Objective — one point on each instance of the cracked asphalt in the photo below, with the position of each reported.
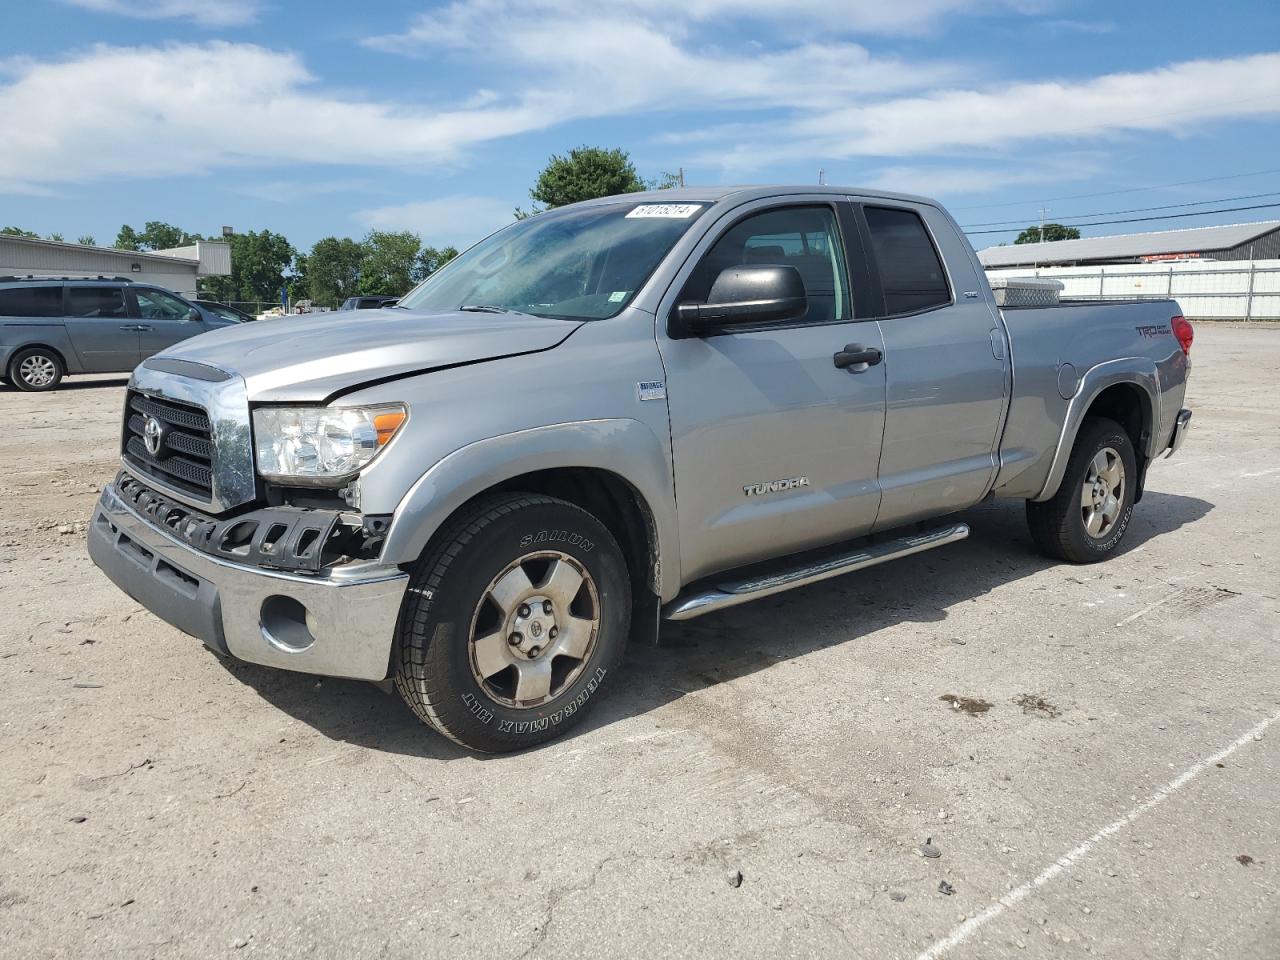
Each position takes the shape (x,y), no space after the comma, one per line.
(158,802)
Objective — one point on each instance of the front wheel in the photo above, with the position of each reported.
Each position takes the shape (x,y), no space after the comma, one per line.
(1087,518)
(514,618)
(35,369)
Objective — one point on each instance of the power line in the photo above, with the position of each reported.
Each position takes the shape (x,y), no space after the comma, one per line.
(1112,193)
(1112,213)
(1169,216)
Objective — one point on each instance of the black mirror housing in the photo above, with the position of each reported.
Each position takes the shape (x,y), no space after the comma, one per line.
(750,293)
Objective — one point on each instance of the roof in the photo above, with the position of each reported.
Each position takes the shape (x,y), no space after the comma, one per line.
(752,192)
(1192,240)
(164,257)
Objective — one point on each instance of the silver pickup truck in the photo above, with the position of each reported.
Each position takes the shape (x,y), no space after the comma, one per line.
(641,407)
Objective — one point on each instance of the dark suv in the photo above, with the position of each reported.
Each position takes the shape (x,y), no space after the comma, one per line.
(50,326)
(368,303)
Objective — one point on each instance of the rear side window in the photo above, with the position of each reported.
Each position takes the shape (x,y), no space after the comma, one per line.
(911,273)
(105,302)
(31,302)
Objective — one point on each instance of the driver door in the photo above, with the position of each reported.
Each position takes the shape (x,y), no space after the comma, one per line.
(163,319)
(776,449)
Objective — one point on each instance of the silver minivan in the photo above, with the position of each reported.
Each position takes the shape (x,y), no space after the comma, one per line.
(51,327)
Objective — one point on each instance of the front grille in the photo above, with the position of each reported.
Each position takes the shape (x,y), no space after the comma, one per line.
(185,458)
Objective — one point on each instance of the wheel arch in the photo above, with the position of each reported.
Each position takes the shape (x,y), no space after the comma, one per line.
(616,469)
(42,345)
(1127,391)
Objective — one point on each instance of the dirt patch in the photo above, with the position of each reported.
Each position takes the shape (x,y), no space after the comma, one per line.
(973,706)
(1244,859)
(1034,703)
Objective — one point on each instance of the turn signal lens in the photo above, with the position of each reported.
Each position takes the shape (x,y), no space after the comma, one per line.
(1183,331)
(387,424)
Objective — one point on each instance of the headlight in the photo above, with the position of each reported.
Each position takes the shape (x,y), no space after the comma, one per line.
(321,444)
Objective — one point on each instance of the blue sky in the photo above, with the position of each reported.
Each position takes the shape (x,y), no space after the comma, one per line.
(330,117)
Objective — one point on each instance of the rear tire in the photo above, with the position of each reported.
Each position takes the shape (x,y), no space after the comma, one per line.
(1086,519)
(515,615)
(35,370)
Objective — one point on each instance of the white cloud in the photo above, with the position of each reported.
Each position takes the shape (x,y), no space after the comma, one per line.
(207,13)
(458,220)
(184,109)
(942,180)
(1184,99)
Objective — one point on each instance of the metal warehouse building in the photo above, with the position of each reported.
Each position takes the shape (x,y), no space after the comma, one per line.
(176,269)
(1237,241)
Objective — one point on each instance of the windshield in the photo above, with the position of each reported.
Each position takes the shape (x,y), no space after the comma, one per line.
(579,264)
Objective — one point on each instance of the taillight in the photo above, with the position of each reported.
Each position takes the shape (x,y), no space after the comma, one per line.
(1182,330)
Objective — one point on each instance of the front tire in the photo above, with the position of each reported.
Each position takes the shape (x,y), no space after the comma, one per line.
(1087,518)
(515,616)
(35,370)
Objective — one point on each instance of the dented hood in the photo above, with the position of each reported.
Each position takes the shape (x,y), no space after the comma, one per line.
(312,357)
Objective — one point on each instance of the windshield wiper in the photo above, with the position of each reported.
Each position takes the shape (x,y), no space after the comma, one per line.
(482,308)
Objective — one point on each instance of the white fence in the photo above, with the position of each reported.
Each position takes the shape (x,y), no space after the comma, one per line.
(1206,290)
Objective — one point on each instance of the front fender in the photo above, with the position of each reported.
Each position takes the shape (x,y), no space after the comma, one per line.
(1141,372)
(627,448)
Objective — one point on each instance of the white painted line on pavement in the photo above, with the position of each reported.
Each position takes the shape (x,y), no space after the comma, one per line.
(1068,860)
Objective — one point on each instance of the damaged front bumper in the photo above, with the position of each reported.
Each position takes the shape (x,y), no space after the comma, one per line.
(339,622)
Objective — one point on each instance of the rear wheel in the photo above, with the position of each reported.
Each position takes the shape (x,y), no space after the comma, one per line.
(35,369)
(1087,518)
(514,618)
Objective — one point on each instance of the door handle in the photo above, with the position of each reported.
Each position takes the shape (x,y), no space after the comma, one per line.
(132,328)
(143,327)
(854,354)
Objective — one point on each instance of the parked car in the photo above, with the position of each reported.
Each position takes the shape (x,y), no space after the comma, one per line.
(226,312)
(646,406)
(368,303)
(51,327)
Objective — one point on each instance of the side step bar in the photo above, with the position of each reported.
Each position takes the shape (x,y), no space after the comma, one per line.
(730,594)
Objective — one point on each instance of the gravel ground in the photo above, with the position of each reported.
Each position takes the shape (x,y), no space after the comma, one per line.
(1118,796)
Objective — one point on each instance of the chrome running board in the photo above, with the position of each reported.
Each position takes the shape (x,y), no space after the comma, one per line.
(731,593)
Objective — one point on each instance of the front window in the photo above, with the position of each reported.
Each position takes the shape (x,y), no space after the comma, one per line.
(154,305)
(580,264)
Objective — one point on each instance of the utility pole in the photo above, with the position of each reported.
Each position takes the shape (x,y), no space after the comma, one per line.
(1043,211)
(682,176)
(822,177)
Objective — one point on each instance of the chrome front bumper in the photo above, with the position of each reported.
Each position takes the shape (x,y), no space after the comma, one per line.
(1180,428)
(340,625)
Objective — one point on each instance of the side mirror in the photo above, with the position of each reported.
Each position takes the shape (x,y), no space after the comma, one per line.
(755,293)
(194,314)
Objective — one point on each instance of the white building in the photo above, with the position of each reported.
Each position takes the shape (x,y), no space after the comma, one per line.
(176,269)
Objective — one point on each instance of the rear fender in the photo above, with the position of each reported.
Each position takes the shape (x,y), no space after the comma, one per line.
(1138,371)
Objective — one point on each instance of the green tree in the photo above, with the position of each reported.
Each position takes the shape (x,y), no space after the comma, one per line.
(155,235)
(259,264)
(431,259)
(333,270)
(666,180)
(584,174)
(299,282)
(128,239)
(19,232)
(1052,231)
(389,263)
(87,240)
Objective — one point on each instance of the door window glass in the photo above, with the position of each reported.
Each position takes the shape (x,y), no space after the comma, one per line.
(31,302)
(104,302)
(911,273)
(154,305)
(802,237)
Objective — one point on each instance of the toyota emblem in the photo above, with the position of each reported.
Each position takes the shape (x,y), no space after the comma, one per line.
(153,436)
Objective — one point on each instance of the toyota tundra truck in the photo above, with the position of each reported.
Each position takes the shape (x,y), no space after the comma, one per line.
(642,407)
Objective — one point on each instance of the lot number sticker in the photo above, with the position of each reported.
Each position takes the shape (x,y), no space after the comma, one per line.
(665,211)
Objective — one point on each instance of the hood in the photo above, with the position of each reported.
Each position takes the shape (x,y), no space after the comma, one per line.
(309,358)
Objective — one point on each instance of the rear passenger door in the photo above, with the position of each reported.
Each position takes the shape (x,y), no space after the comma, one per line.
(101,331)
(947,376)
(163,320)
